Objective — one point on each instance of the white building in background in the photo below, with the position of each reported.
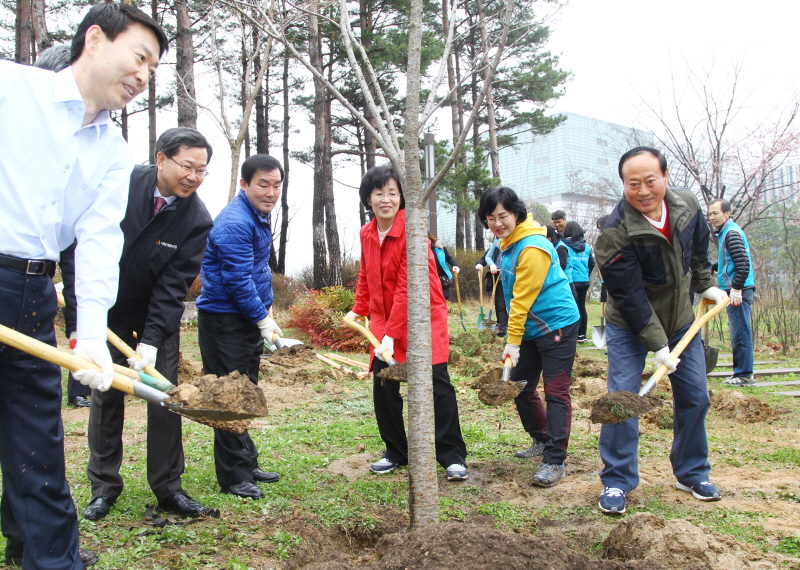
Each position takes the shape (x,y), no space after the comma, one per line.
(574,168)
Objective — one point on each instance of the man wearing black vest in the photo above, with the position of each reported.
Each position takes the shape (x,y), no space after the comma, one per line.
(165,228)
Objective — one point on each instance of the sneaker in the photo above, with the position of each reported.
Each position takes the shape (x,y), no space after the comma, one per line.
(581,338)
(549,474)
(612,501)
(705,491)
(535,450)
(457,472)
(740,381)
(383,466)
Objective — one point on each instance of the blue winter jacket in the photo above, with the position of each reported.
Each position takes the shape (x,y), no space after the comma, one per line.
(236,274)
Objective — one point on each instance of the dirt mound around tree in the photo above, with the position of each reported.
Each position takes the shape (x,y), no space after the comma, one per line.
(742,408)
(294,356)
(680,544)
(476,547)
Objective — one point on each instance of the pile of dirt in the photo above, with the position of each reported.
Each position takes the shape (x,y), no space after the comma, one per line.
(188,369)
(475,547)
(586,368)
(742,408)
(620,406)
(680,544)
(298,365)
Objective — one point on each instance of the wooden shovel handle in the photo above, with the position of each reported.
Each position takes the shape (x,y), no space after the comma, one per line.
(495,278)
(684,342)
(480,284)
(370,337)
(51,354)
(458,293)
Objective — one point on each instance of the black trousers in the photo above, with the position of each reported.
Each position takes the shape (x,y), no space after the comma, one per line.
(231,343)
(37,509)
(450,446)
(580,298)
(165,461)
(500,310)
(551,355)
(75,388)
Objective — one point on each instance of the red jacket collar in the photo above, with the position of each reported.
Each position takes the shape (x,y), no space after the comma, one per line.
(398,227)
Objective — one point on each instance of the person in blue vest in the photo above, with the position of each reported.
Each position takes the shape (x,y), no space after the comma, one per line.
(542,327)
(491,258)
(579,265)
(735,277)
(444,263)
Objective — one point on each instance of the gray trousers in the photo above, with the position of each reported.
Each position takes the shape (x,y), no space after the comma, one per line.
(165,462)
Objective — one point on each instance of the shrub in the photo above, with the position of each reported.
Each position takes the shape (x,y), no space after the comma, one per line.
(318,314)
(194,290)
(285,290)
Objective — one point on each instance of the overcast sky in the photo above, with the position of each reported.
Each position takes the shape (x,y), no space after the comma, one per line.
(621,52)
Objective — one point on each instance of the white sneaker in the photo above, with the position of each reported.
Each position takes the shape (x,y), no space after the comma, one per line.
(456,472)
(383,466)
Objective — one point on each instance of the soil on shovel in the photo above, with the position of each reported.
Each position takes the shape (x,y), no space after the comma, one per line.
(619,406)
(742,408)
(499,392)
(476,547)
(231,393)
(396,372)
(296,355)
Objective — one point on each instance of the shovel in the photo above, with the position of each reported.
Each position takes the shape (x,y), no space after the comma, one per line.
(502,391)
(395,371)
(137,389)
(623,405)
(599,333)
(458,298)
(482,315)
(280,342)
(489,323)
(711,353)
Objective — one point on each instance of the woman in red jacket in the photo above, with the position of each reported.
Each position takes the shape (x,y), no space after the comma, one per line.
(382,293)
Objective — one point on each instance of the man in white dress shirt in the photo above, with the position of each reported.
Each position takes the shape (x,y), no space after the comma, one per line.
(64,172)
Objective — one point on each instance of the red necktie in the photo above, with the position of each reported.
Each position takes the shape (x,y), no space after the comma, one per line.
(160,203)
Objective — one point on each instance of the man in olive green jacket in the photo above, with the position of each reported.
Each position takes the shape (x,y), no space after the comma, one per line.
(652,249)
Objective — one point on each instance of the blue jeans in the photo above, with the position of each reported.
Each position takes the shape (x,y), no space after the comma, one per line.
(619,443)
(741,334)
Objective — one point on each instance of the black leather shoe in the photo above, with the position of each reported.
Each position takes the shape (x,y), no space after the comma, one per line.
(245,489)
(88,558)
(79,402)
(265,476)
(181,504)
(98,508)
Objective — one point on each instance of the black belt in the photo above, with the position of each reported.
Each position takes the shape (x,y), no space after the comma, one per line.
(29,266)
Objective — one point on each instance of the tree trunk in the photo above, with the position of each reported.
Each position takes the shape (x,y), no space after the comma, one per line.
(318,209)
(284,200)
(494,155)
(245,83)
(41,38)
(331,227)
(262,140)
(124,122)
(423,486)
(23,33)
(151,98)
(184,67)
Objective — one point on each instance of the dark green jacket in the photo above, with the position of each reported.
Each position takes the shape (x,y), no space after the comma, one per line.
(648,279)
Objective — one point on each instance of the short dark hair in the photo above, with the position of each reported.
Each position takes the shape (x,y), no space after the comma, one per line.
(377,177)
(724,205)
(662,160)
(558,215)
(258,162)
(601,221)
(573,230)
(505,196)
(552,234)
(172,140)
(54,58)
(114,18)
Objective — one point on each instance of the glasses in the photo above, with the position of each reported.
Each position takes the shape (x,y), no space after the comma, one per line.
(199,172)
(382,195)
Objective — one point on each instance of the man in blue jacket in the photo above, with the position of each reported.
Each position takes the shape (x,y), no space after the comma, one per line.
(232,311)
(735,276)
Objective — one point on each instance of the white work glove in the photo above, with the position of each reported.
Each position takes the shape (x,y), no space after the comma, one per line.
(478,267)
(662,356)
(714,294)
(387,345)
(511,351)
(147,356)
(456,269)
(736,297)
(94,350)
(268,328)
(353,316)
(493,268)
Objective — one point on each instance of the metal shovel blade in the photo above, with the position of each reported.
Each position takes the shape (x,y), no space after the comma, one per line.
(712,354)
(213,415)
(599,336)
